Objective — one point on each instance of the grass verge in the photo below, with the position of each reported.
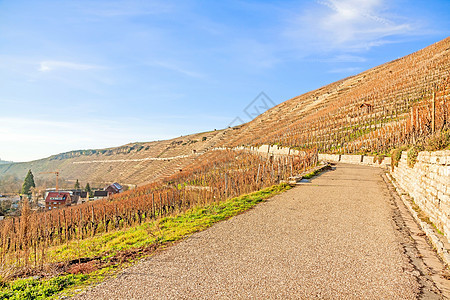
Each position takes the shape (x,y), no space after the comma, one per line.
(315,171)
(312,174)
(101,256)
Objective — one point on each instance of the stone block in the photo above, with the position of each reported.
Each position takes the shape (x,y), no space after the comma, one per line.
(446,257)
(434,159)
(441,153)
(442,181)
(368,160)
(282,151)
(446,172)
(352,159)
(329,157)
(264,149)
(443,160)
(273,148)
(444,198)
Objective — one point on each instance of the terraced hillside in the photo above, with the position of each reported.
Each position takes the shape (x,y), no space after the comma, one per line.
(381,108)
(133,164)
(397,103)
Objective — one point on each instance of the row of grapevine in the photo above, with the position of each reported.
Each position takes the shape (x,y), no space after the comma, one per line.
(24,241)
(394,104)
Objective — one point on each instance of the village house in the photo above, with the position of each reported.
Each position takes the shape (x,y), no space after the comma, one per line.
(114,188)
(80,193)
(79,196)
(56,200)
(100,194)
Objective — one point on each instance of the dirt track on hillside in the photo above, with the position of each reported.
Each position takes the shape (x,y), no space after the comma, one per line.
(335,237)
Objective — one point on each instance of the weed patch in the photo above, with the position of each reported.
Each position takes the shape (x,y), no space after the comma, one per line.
(413,152)
(311,175)
(33,288)
(439,141)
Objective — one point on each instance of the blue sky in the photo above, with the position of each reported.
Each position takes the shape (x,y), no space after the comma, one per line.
(94,74)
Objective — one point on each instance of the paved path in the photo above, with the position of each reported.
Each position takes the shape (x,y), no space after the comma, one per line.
(332,238)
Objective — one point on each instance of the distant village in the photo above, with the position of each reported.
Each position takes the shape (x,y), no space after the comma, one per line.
(58,199)
(53,199)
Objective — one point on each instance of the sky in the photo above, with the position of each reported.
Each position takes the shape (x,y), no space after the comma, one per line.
(96,74)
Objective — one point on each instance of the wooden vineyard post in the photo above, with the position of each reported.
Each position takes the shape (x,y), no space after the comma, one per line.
(104,219)
(65,227)
(257,174)
(292,166)
(153,207)
(117,217)
(160,205)
(93,228)
(433,113)
(169,202)
(80,225)
(412,125)
(226,186)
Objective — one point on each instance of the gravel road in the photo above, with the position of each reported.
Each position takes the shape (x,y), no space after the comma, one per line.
(331,238)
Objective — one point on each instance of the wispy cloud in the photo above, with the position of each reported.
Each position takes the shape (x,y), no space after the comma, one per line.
(125,8)
(51,65)
(344,58)
(345,70)
(176,67)
(348,25)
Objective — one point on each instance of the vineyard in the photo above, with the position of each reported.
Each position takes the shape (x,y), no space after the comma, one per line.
(404,102)
(24,241)
(398,103)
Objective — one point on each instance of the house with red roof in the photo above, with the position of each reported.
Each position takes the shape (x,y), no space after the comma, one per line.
(56,200)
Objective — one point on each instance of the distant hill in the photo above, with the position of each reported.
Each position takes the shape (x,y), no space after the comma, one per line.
(3,162)
(133,164)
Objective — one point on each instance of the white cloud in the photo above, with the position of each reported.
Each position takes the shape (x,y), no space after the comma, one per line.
(347,26)
(346,58)
(345,70)
(51,65)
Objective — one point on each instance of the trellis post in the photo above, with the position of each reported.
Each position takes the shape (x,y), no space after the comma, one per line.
(433,113)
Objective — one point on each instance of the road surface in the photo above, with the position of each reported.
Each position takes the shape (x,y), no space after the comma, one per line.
(335,237)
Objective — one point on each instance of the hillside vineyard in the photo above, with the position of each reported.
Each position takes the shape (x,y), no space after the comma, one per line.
(390,105)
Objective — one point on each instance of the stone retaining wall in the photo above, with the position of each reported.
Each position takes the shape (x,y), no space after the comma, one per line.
(330,157)
(355,159)
(274,150)
(428,183)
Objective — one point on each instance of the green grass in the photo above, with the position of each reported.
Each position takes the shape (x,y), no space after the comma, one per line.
(412,154)
(437,229)
(32,288)
(312,174)
(159,233)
